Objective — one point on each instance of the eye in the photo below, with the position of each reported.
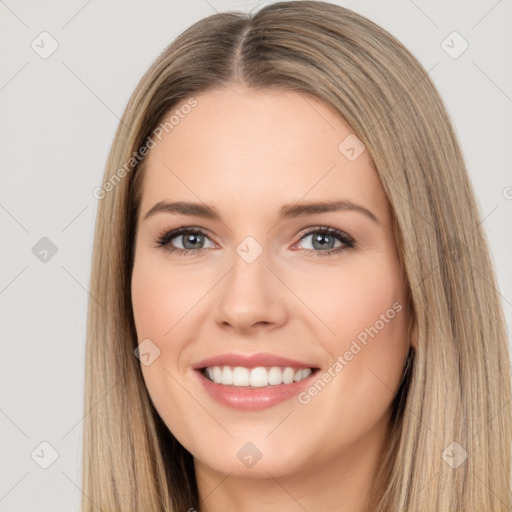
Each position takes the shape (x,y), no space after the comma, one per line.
(189,241)
(323,241)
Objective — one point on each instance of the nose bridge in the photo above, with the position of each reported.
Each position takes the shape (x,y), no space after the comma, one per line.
(250,293)
(250,266)
(248,279)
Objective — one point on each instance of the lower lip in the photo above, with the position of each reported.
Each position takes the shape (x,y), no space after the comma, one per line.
(253,399)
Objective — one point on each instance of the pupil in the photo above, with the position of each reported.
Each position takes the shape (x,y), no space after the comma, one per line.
(190,240)
(321,239)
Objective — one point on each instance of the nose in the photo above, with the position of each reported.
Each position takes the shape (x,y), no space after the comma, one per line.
(251,296)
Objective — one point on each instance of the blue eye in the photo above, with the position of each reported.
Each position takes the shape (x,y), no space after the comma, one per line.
(323,241)
(191,239)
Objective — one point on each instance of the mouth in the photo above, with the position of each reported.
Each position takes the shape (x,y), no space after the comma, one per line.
(256,377)
(251,382)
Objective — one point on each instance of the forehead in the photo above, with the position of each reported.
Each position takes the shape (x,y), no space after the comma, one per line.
(258,148)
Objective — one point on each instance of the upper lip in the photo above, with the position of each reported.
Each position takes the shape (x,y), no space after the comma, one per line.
(251,361)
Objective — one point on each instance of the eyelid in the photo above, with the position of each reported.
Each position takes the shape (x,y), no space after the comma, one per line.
(325,229)
(165,236)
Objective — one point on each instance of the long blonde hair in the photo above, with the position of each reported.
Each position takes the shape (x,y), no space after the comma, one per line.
(457,388)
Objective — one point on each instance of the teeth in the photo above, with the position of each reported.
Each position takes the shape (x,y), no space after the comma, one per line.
(217,373)
(288,375)
(275,376)
(240,376)
(227,375)
(256,377)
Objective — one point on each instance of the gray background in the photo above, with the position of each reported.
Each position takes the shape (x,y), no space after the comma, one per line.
(59,115)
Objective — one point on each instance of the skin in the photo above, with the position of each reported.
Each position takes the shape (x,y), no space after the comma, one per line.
(248,153)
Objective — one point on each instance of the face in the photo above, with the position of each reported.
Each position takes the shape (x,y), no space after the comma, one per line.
(268,285)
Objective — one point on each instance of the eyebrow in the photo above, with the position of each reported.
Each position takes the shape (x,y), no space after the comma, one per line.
(287,211)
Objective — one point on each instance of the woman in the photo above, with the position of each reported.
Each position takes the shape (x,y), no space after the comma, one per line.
(294,304)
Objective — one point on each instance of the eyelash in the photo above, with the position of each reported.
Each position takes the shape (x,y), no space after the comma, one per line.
(164,239)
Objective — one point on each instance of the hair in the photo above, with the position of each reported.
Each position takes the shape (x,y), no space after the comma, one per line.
(457,386)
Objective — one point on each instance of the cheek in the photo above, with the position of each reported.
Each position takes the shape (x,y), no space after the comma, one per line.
(163,301)
(354,298)
(162,297)
(365,310)
(157,311)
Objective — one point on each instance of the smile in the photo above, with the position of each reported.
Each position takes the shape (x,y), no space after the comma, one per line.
(258,377)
